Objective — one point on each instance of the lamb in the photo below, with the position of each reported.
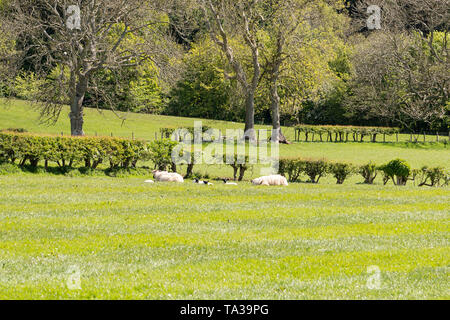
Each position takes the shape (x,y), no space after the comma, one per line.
(164,176)
(273,180)
(225,181)
(202,182)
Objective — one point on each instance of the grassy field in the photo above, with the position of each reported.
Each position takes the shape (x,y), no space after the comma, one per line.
(20,114)
(134,240)
(131,240)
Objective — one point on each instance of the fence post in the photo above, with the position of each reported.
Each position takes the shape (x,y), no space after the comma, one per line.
(437,136)
(396,136)
(424,137)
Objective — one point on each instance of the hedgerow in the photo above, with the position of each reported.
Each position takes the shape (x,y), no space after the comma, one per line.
(342,133)
(396,170)
(314,169)
(66,152)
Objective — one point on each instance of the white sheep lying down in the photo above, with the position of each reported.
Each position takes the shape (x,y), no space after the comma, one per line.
(273,180)
(164,176)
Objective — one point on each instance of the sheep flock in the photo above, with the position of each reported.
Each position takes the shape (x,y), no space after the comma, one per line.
(165,176)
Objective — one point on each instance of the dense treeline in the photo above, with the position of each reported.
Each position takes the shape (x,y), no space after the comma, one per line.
(279,62)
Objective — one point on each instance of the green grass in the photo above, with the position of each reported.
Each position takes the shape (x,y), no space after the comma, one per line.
(162,241)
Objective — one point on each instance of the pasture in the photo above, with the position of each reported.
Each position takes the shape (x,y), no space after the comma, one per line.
(162,241)
(132,240)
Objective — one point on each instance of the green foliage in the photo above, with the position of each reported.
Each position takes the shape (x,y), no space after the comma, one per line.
(68,151)
(314,169)
(398,170)
(341,171)
(161,153)
(369,172)
(432,177)
(203,90)
(8,168)
(343,133)
(26,86)
(292,168)
(135,89)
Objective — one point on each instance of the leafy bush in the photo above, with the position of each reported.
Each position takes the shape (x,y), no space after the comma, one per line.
(316,169)
(398,170)
(341,171)
(369,172)
(68,151)
(8,168)
(292,168)
(160,153)
(18,130)
(432,177)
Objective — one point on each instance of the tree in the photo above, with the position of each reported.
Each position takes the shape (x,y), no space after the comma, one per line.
(401,71)
(202,91)
(226,19)
(69,42)
(8,55)
(298,31)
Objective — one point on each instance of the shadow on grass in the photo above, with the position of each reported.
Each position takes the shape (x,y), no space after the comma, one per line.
(9,168)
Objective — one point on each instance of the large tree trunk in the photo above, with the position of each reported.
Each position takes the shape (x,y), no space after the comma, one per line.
(277,135)
(250,116)
(76,108)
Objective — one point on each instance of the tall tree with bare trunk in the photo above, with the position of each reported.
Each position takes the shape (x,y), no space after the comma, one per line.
(293,26)
(228,19)
(68,41)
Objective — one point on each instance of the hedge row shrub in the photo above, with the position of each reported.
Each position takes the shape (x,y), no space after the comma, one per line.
(369,172)
(397,170)
(342,133)
(166,133)
(341,171)
(314,169)
(431,177)
(68,151)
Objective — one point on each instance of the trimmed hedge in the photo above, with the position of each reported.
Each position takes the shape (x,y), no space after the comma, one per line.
(30,149)
(396,170)
(342,133)
(166,133)
(314,169)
